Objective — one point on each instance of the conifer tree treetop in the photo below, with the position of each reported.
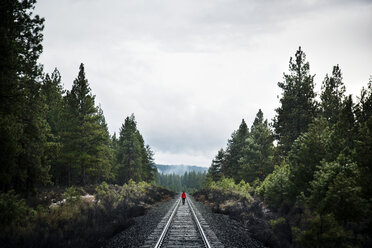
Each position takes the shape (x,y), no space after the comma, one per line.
(298,106)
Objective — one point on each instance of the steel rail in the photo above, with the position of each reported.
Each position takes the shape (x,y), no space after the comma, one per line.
(204,237)
(166,228)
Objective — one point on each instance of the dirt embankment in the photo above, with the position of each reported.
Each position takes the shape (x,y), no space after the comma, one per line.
(258,221)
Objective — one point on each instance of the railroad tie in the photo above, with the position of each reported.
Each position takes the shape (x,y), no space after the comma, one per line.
(182,226)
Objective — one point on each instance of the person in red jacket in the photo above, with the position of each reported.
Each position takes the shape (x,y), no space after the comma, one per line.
(183,197)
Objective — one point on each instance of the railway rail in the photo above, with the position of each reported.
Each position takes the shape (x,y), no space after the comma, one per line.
(183,226)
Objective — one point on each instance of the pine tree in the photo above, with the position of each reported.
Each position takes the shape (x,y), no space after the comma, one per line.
(69,148)
(188,182)
(345,130)
(363,142)
(129,156)
(150,168)
(364,107)
(134,160)
(234,151)
(337,184)
(364,158)
(306,155)
(215,171)
(332,96)
(258,120)
(298,107)
(256,162)
(53,92)
(85,133)
(263,139)
(102,170)
(23,128)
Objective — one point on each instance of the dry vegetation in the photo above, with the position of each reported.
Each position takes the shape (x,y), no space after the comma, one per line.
(77,221)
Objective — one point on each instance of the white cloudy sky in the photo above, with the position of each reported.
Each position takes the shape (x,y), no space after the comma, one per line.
(190,70)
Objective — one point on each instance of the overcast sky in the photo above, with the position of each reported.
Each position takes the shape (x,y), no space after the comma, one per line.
(190,70)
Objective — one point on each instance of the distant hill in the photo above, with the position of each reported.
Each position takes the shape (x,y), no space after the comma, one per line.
(179,169)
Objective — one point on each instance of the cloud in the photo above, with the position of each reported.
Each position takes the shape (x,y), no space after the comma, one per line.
(191,70)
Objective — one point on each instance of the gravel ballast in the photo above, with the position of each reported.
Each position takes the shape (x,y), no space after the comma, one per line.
(230,232)
(136,235)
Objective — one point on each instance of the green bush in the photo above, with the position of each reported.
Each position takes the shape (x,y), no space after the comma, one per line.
(336,189)
(72,195)
(102,190)
(325,232)
(16,219)
(228,184)
(144,186)
(108,196)
(276,187)
(276,222)
(14,212)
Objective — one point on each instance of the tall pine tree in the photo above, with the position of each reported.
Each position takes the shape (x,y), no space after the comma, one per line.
(235,151)
(332,96)
(364,108)
(53,92)
(85,134)
(215,171)
(298,106)
(149,166)
(364,140)
(257,161)
(102,170)
(23,128)
(134,160)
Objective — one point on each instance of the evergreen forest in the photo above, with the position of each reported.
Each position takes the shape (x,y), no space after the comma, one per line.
(188,182)
(311,165)
(55,148)
(51,135)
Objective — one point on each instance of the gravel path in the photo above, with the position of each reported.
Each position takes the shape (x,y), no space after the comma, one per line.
(230,232)
(136,235)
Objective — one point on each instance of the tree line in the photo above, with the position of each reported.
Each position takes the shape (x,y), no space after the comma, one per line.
(188,182)
(50,135)
(312,164)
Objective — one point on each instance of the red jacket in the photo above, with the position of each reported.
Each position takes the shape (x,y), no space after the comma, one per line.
(183,195)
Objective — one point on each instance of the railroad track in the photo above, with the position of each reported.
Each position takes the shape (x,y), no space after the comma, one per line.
(183,226)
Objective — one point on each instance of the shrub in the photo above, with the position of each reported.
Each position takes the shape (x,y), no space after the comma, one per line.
(102,189)
(228,184)
(276,222)
(274,189)
(106,196)
(16,219)
(71,195)
(144,186)
(324,231)
(14,211)
(76,223)
(336,189)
